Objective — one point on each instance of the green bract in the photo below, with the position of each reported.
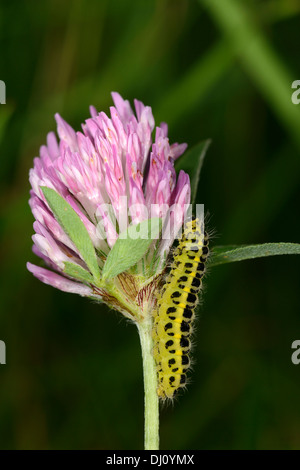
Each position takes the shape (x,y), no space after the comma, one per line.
(130,247)
(74,228)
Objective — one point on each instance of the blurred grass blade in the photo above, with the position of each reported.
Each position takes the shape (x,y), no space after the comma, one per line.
(259,59)
(193,87)
(191,162)
(230,254)
(74,228)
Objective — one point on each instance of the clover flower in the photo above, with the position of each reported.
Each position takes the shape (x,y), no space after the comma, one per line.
(112,176)
(107,205)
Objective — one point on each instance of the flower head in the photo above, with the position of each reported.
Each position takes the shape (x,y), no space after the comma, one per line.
(110,176)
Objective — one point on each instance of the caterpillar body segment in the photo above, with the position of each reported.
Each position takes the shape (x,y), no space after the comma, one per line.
(175,310)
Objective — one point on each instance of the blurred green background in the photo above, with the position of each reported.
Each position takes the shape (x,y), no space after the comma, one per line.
(219,69)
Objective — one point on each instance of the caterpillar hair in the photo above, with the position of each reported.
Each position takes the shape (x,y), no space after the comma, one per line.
(175,309)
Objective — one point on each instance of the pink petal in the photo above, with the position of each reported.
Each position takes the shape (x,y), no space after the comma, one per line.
(52,145)
(123,107)
(66,132)
(60,282)
(177,150)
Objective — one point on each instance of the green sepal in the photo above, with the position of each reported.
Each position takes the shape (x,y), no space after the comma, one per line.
(130,247)
(74,228)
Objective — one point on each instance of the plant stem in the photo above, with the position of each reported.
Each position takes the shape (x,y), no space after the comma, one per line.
(150,385)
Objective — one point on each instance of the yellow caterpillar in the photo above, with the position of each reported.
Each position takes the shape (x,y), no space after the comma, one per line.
(175,310)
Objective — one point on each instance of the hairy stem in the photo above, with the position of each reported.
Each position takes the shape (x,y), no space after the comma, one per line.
(150,385)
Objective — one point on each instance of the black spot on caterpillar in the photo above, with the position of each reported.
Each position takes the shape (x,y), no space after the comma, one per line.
(175,310)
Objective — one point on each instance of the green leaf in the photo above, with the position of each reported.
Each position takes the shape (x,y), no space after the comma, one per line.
(130,247)
(230,254)
(191,162)
(76,271)
(74,228)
